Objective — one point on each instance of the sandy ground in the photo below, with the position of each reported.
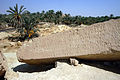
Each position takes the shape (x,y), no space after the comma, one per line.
(63,71)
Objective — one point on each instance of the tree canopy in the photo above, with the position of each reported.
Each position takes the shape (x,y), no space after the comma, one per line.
(57,17)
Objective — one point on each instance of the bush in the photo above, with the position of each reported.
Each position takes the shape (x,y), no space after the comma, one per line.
(24,25)
(28,29)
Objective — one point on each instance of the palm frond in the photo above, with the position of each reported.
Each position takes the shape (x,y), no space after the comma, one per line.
(20,10)
(11,9)
(16,8)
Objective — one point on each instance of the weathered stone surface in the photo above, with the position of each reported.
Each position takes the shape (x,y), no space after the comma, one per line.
(100,41)
(3,64)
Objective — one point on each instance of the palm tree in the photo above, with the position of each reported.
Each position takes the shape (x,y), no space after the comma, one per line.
(58,15)
(16,19)
(29,28)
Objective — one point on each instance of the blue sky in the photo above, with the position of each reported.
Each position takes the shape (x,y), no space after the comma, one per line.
(74,7)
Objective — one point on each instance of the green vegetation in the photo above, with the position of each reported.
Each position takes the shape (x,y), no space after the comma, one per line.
(28,29)
(60,18)
(57,17)
(25,22)
(16,19)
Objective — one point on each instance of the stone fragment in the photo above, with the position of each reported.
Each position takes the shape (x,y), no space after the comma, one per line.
(99,41)
(3,64)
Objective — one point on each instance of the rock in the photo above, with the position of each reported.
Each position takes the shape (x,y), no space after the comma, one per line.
(10,75)
(19,43)
(99,41)
(74,62)
(3,64)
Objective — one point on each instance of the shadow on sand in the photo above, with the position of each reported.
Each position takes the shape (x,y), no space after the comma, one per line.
(33,68)
(111,66)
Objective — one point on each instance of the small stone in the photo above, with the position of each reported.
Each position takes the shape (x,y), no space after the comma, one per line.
(74,62)
(19,43)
